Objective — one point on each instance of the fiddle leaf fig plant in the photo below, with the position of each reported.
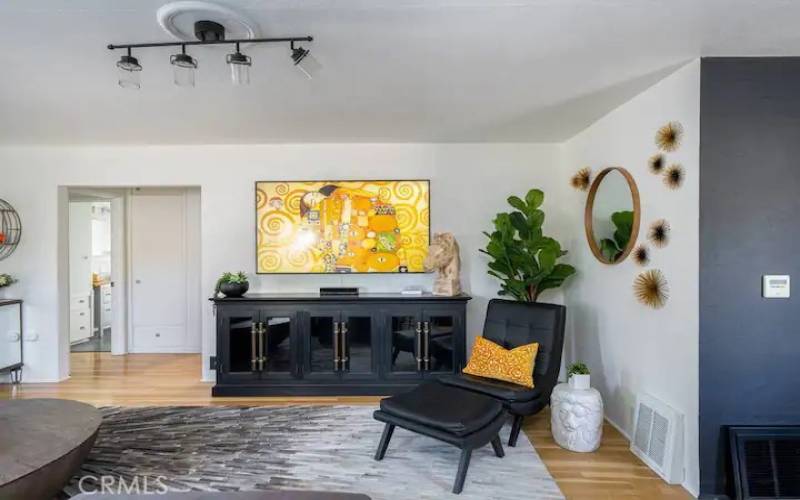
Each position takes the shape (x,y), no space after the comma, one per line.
(522,257)
(612,249)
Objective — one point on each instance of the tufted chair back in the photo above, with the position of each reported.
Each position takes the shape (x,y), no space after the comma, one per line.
(512,324)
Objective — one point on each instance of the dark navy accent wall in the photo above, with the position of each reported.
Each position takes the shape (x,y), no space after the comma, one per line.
(749,226)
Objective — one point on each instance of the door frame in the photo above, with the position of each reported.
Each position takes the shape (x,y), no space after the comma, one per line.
(119,327)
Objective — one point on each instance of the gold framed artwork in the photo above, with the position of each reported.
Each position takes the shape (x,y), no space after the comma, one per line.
(371,226)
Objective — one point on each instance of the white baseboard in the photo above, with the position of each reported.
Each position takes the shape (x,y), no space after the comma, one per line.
(618,428)
(692,491)
(171,350)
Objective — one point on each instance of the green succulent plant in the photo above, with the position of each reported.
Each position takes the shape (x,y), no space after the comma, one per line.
(578,368)
(6,280)
(522,258)
(235,278)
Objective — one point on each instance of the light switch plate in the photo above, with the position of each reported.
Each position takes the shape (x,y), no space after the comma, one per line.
(776,287)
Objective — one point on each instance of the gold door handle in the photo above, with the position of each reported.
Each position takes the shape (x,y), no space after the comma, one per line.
(419,346)
(343,349)
(336,357)
(253,346)
(427,343)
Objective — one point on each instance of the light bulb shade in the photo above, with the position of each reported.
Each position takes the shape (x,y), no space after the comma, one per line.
(183,66)
(240,68)
(129,79)
(183,61)
(129,71)
(129,63)
(305,62)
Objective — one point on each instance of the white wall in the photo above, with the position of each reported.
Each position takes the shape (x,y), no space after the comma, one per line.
(629,347)
(469,184)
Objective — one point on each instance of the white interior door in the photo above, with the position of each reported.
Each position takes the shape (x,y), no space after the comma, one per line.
(158,271)
(80,270)
(119,319)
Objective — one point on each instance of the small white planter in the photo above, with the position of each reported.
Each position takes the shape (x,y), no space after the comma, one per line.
(580,381)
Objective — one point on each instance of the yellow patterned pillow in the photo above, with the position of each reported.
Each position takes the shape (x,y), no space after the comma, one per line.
(493,361)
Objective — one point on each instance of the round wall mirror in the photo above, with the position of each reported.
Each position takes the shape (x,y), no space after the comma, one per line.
(612,215)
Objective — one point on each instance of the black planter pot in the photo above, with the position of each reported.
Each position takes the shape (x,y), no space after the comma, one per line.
(234,289)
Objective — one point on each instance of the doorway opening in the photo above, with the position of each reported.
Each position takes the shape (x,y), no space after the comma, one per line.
(90,276)
(91,265)
(133,271)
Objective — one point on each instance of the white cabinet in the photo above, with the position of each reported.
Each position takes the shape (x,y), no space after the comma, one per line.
(10,333)
(80,322)
(102,305)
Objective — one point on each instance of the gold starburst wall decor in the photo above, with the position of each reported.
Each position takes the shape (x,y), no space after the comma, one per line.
(674,176)
(669,137)
(656,163)
(641,255)
(582,179)
(651,288)
(658,234)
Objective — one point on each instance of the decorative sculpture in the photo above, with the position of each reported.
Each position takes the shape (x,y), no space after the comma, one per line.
(443,258)
(576,418)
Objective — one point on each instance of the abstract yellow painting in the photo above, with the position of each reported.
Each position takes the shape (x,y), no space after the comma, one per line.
(342,226)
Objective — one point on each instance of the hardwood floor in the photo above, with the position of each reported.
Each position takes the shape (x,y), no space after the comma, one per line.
(173,379)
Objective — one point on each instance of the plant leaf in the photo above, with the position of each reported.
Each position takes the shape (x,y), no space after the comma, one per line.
(517,203)
(535,198)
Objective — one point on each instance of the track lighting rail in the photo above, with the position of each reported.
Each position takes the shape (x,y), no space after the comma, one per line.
(293,39)
(211,33)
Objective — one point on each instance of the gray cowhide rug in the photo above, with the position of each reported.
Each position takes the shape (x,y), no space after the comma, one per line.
(327,448)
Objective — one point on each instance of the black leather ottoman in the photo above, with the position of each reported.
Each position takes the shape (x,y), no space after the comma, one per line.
(465,419)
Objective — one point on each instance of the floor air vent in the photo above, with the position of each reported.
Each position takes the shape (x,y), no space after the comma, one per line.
(658,438)
(766,461)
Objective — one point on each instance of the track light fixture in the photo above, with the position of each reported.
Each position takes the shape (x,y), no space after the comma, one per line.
(304,61)
(240,67)
(129,69)
(210,33)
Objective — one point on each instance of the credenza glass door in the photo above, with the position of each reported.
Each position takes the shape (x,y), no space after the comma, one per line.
(404,327)
(322,351)
(357,333)
(237,349)
(439,339)
(278,353)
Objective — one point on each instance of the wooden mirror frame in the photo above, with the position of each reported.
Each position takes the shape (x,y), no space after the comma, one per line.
(587,215)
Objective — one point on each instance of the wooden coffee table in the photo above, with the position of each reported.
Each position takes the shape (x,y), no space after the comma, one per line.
(44,442)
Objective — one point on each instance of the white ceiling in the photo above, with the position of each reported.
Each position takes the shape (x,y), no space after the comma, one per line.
(394,70)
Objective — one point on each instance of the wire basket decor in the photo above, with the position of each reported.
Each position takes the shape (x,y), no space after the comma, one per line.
(10,229)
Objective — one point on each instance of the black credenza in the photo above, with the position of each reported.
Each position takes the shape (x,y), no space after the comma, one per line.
(308,345)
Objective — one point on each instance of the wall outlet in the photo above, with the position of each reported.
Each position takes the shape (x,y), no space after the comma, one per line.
(212,362)
(776,287)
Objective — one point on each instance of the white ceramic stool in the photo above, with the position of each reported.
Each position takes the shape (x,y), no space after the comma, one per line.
(576,418)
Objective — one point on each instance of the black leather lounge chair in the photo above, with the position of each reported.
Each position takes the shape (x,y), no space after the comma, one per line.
(512,324)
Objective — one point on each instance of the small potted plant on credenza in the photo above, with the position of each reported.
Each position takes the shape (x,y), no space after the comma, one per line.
(233,284)
(579,377)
